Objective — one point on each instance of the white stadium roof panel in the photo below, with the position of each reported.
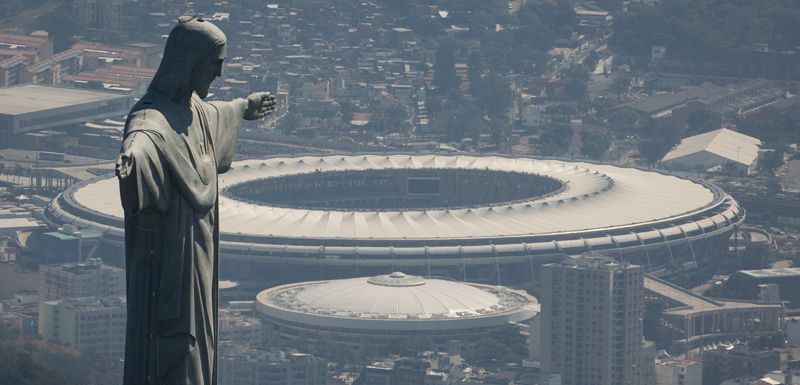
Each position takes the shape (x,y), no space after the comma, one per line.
(599,206)
(635,196)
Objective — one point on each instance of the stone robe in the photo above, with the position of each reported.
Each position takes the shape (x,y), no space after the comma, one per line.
(172,236)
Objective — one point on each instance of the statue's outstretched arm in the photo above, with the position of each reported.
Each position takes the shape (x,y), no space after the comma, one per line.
(225,119)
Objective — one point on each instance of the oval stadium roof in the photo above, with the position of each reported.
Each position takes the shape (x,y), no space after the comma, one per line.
(596,197)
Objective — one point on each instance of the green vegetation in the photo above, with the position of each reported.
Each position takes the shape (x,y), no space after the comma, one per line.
(775,130)
(651,325)
(444,67)
(657,138)
(694,26)
(503,347)
(27,361)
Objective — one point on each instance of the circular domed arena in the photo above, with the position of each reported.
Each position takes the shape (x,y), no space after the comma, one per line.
(374,311)
(488,219)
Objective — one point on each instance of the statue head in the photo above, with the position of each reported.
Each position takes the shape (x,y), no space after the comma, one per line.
(192,59)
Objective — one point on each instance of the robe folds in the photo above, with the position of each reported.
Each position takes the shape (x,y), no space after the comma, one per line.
(172,237)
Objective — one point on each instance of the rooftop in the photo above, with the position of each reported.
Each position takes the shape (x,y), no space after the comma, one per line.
(31,98)
(397,296)
(657,103)
(594,199)
(772,273)
(414,301)
(729,144)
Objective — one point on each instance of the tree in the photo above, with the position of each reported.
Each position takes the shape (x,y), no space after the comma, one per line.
(500,131)
(657,139)
(595,143)
(20,369)
(346,109)
(460,120)
(576,89)
(651,149)
(620,84)
(773,186)
(494,96)
(590,62)
(61,29)
(768,341)
(477,65)
(700,121)
(555,138)
(653,314)
(497,349)
(444,70)
(771,161)
(392,119)
(626,122)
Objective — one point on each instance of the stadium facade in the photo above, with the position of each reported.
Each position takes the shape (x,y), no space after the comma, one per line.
(487,219)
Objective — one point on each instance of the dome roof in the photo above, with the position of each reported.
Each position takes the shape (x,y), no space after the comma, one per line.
(398,294)
(418,302)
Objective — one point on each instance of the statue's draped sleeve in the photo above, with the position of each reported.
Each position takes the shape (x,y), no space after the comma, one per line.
(225,118)
(147,183)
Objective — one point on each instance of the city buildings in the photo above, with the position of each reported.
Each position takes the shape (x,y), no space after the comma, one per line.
(17,52)
(591,322)
(79,280)
(259,367)
(741,361)
(688,316)
(671,371)
(747,282)
(239,326)
(99,15)
(83,305)
(91,324)
(402,371)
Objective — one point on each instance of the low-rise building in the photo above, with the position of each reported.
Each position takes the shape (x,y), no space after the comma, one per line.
(723,364)
(259,367)
(716,149)
(402,371)
(78,280)
(35,107)
(672,371)
(238,325)
(87,324)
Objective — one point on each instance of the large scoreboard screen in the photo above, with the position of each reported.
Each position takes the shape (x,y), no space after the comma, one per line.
(423,186)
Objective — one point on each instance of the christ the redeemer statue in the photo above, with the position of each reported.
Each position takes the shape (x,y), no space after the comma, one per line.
(174,146)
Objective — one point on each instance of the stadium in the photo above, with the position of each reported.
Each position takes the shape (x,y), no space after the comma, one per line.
(375,311)
(488,219)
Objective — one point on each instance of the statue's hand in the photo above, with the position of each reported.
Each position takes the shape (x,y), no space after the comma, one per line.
(259,105)
(124,166)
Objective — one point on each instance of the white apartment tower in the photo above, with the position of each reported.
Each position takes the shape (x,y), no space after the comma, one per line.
(591,322)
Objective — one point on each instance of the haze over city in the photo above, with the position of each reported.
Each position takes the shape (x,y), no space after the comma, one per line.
(434,192)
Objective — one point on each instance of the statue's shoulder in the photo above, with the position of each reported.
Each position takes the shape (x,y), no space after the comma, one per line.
(148,114)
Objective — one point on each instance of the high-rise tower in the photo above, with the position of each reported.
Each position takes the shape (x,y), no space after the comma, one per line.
(592,309)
